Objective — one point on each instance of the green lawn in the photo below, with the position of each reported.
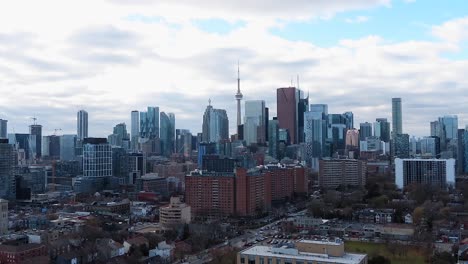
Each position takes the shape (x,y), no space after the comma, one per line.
(413,255)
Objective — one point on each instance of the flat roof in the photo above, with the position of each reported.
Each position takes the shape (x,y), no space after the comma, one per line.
(321,242)
(265,251)
(427,160)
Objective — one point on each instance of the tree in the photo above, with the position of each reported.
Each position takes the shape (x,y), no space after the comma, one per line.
(315,208)
(392,248)
(170,235)
(135,255)
(186,232)
(379,260)
(223,257)
(420,193)
(153,239)
(333,197)
(418,214)
(379,202)
(443,258)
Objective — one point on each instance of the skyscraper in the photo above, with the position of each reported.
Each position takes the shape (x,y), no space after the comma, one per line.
(435,172)
(336,172)
(352,139)
(267,120)
(254,123)
(3,128)
(35,132)
(120,137)
(135,129)
(167,133)
(287,103)
(460,162)
(273,138)
(82,124)
(183,142)
(7,177)
(238,98)
(400,146)
(51,146)
(215,125)
(67,147)
(438,130)
(465,147)
(219,125)
(321,109)
(315,130)
(365,130)
(430,147)
(206,122)
(349,119)
(22,145)
(302,108)
(382,129)
(450,124)
(397,121)
(338,124)
(3,217)
(149,123)
(435,129)
(97,158)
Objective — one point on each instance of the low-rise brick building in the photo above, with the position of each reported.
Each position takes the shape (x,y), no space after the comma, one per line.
(23,253)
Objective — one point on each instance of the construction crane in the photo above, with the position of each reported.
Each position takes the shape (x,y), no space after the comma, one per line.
(34,120)
(55,131)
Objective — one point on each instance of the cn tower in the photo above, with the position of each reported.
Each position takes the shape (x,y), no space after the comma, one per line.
(238,98)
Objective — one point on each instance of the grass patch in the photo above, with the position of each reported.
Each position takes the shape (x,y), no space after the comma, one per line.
(413,254)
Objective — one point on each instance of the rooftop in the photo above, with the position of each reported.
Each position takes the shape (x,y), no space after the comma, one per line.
(347,258)
(335,242)
(152,176)
(147,228)
(20,248)
(210,174)
(139,240)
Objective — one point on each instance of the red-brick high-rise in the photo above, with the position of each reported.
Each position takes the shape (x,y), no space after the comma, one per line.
(210,194)
(250,193)
(243,193)
(285,181)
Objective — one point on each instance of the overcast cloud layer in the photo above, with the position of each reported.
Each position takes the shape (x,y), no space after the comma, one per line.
(111,57)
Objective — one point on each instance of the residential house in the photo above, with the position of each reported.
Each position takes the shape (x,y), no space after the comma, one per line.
(108,249)
(135,242)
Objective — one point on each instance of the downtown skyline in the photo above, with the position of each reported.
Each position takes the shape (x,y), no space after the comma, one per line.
(110,65)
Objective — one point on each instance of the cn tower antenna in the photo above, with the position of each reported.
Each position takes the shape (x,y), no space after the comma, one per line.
(238,96)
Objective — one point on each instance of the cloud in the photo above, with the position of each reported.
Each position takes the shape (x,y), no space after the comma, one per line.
(105,37)
(357,20)
(110,64)
(454,31)
(246,9)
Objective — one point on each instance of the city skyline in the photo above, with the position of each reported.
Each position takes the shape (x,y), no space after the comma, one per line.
(110,65)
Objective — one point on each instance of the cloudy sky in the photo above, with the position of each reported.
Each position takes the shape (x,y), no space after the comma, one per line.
(111,57)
